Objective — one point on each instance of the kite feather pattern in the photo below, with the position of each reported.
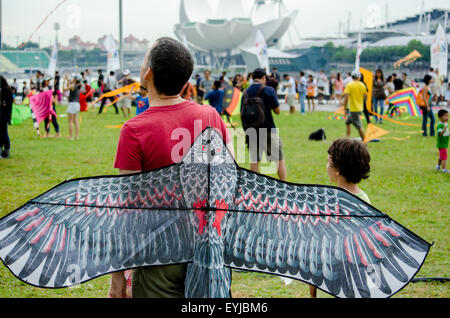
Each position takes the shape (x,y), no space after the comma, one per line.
(208,212)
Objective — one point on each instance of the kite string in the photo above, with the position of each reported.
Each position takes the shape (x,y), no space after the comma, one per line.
(42,23)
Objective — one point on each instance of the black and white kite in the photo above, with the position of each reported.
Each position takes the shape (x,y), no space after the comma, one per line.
(208,212)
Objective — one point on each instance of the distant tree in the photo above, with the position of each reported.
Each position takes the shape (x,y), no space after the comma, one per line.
(29,45)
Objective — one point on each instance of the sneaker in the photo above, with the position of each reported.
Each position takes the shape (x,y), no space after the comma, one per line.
(445,171)
(438,168)
(5,154)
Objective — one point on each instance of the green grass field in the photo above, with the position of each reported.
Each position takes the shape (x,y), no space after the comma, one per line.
(403,184)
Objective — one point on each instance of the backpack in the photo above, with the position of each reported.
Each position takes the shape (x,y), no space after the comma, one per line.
(318,135)
(420,100)
(253,110)
(310,91)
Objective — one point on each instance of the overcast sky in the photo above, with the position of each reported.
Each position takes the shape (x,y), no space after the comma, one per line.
(150,19)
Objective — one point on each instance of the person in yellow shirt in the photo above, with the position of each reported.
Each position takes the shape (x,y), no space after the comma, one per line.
(354,95)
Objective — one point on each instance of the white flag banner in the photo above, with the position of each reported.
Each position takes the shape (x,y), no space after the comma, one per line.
(113,60)
(359,50)
(53,60)
(439,51)
(262,51)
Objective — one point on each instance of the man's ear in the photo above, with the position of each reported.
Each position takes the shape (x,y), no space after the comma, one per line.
(148,75)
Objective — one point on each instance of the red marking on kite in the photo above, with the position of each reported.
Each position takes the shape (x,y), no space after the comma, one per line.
(42,232)
(393,233)
(201,215)
(370,245)
(347,252)
(378,236)
(359,252)
(63,241)
(34,224)
(222,211)
(52,240)
(27,214)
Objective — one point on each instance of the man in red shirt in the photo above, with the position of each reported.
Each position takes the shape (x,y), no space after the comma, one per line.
(160,137)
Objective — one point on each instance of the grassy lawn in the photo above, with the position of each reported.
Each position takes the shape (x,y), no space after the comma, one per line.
(403,184)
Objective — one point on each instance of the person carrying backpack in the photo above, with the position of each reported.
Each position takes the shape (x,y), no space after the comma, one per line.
(258,103)
(424,99)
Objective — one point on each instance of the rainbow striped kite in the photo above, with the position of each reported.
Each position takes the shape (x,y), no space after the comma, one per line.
(406,99)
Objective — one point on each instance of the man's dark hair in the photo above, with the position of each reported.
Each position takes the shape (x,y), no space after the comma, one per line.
(259,73)
(285,76)
(111,73)
(302,73)
(351,158)
(217,85)
(172,65)
(441,113)
(427,79)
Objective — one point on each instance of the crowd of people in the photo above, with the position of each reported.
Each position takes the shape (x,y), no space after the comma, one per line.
(77,91)
(146,141)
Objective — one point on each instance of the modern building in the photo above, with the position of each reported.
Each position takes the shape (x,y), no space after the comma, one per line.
(131,43)
(223,38)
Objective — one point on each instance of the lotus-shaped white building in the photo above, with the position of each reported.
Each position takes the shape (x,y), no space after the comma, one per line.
(228,28)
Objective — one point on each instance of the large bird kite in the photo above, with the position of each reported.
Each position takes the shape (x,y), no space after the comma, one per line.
(208,212)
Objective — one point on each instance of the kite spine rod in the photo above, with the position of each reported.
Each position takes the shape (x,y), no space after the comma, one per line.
(207,209)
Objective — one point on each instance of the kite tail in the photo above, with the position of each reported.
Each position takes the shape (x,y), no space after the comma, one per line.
(208,266)
(219,282)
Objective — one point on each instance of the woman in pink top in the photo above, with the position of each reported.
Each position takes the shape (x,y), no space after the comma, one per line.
(339,87)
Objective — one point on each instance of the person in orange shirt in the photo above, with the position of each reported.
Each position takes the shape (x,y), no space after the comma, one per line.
(188,92)
(311,93)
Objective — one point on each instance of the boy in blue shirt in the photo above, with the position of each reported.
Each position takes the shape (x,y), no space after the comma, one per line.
(142,100)
(215,97)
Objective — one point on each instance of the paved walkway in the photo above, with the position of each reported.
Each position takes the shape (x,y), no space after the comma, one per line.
(319,108)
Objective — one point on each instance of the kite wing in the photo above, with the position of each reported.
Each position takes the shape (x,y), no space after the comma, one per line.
(321,235)
(208,212)
(86,228)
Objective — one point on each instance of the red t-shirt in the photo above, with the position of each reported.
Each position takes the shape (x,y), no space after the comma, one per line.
(161,136)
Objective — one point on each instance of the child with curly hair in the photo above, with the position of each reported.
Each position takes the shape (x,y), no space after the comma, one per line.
(348,164)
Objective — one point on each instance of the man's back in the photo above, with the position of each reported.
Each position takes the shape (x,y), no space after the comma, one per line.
(146,140)
(302,84)
(153,140)
(356,91)
(111,83)
(270,100)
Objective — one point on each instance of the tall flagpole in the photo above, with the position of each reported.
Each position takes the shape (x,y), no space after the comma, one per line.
(121,34)
(1,29)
